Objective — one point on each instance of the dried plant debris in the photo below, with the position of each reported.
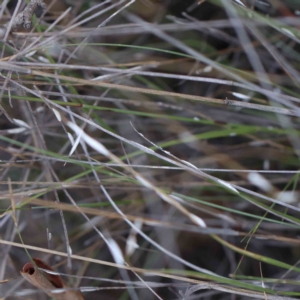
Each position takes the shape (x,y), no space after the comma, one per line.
(24,18)
(36,273)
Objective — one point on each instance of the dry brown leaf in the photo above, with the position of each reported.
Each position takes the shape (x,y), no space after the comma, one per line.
(48,282)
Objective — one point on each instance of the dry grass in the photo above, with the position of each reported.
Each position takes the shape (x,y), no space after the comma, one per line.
(150,149)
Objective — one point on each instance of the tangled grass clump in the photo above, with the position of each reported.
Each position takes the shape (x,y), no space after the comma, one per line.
(149,149)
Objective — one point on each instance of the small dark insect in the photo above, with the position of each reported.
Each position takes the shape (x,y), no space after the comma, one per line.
(24,18)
